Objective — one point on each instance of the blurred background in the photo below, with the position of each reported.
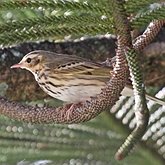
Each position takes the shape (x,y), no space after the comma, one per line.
(80,28)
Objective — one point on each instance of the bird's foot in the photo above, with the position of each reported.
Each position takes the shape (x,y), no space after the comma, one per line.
(69,109)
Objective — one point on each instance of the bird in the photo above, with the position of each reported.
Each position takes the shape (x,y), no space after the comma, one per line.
(70,78)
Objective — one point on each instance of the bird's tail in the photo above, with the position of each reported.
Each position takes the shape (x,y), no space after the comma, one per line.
(158,101)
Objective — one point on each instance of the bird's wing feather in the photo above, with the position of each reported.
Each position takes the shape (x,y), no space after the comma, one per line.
(86,70)
(83,70)
(68,65)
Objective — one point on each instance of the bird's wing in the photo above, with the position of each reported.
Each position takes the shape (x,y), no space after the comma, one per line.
(84,70)
(76,67)
(73,65)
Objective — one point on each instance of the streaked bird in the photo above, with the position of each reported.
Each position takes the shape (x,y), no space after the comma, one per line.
(70,78)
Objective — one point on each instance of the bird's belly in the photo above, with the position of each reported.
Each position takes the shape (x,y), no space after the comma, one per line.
(75,94)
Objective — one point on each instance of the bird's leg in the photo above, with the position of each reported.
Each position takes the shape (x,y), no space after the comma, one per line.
(69,109)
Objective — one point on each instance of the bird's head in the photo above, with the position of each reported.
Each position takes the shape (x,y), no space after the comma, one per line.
(32,61)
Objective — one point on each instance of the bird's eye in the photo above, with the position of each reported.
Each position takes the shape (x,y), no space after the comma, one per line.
(28,60)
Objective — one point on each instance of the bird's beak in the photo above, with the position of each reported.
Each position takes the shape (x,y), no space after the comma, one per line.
(19,65)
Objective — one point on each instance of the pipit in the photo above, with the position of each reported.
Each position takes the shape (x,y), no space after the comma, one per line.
(70,78)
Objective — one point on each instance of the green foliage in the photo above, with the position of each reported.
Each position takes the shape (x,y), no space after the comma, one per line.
(147,16)
(33,20)
(92,142)
(134,6)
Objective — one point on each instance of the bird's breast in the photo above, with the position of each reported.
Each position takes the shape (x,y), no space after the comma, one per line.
(69,89)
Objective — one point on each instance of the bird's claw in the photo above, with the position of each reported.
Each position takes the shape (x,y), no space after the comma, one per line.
(69,109)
